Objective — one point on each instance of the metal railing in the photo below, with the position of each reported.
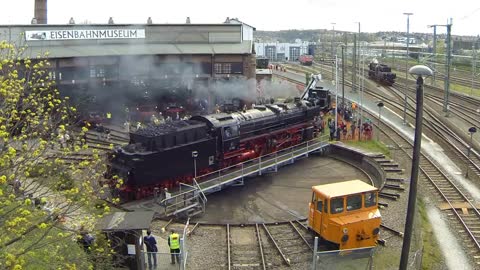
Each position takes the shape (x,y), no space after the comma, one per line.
(163,260)
(214,181)
(357,258)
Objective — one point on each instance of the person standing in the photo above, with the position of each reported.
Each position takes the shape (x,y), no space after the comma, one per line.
(174,244)
(151,244)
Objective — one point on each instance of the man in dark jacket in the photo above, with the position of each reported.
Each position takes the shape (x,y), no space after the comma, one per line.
(151,244)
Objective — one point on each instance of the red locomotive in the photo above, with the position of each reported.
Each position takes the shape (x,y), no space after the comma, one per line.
(161,156)
(306,60)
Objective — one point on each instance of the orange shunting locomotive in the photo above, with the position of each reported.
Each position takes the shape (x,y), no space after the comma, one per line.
(346,214)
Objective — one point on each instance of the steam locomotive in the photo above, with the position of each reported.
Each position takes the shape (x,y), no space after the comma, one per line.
(163,155)
(381,73)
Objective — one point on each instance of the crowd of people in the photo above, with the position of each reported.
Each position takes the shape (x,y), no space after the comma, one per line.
(349,125)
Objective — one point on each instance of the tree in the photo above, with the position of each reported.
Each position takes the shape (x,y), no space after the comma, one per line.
(49,185)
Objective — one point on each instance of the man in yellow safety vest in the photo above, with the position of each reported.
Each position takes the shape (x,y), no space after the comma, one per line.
(174,243)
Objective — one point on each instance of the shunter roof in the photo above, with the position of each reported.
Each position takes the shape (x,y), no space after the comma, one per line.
(343,188)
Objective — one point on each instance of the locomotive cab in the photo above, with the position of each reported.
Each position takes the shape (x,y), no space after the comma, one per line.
(345,214)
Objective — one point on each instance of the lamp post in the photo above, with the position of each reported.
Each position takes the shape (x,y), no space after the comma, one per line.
(380,106)
(419,71)
(406,67)
(471,130)
(194,156)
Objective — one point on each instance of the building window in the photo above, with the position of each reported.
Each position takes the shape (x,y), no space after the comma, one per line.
(93,72)
(218,68)
(100,72)
(228,68)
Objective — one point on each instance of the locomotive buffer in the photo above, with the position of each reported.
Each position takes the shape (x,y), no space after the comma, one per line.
(190,200)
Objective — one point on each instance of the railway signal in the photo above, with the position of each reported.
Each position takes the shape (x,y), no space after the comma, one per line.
(471,130)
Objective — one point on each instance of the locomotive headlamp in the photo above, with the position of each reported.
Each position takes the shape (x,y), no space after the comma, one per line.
(345,230)
(376,231)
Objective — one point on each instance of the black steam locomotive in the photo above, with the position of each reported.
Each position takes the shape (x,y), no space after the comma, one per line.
(163,155)
(381,73)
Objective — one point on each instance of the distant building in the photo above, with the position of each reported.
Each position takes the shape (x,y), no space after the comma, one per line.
(275,51)
(126,61)
(411,40)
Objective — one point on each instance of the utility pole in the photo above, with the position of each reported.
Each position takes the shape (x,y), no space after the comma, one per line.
(358,62)
(474,66)
(447,67)
(354,64)
(406,68)
(343,78)
(434,50)
(333,37)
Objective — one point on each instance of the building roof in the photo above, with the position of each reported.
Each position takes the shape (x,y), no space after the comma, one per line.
(343,188)
(124,39)
(123,221)
(140,49)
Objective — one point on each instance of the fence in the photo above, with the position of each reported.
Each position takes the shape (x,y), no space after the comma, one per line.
(163,260)
(358,258)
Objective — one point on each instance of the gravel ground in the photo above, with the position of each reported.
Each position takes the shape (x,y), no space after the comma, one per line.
(207,244)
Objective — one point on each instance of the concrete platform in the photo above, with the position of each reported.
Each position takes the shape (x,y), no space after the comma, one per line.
(278,196)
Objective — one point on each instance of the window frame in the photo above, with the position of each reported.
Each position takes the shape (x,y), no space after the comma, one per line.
(332,204)
(360,204)
(375,199)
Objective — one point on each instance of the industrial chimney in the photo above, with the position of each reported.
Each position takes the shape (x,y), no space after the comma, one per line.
(41,11)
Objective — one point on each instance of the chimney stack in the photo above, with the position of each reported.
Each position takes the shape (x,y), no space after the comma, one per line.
(188,20)
(41,11)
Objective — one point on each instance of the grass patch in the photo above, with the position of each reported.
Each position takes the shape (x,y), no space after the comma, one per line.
(464,89)
(371,146)
(432,257)
(386,258)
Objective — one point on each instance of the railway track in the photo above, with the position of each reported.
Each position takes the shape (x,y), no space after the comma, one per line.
(457,148)
(456,200)
(283,245)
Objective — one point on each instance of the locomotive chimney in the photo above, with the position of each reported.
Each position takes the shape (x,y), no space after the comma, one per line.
(41,11)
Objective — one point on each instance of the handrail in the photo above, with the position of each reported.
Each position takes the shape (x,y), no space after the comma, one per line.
(247,168)
(262,160)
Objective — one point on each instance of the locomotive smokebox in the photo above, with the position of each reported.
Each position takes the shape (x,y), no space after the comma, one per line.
(41,11)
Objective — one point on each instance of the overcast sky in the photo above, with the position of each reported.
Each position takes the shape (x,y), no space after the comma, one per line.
(374,15)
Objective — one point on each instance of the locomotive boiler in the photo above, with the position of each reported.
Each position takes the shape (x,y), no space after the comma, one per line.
(163,155)
(381,73)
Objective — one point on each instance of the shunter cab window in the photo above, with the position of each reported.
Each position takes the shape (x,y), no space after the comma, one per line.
(336,205)
(319,205)
(370,199)
(354,202)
